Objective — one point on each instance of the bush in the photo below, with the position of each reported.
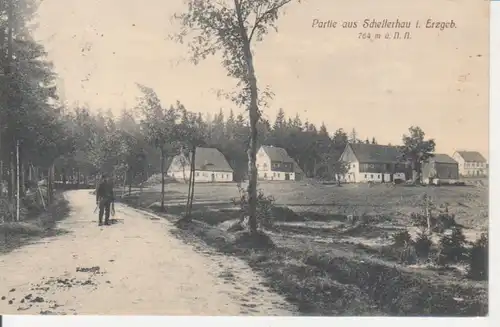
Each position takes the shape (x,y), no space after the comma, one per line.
(478,259)
(452,247)
(401,239)
(265,205)
(423,245)
(440,218)
(403,247)
(444,221)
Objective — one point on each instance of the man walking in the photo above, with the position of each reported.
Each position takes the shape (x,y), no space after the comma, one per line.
(105,199)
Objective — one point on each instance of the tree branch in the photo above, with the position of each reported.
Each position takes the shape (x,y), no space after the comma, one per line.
(259,19)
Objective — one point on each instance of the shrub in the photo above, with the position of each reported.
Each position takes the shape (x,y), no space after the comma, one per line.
(444,221)
(408,255)
(401,239)
(403,247)
(439,218)
(265,205)
(423,245)
(452,247)
(478,259)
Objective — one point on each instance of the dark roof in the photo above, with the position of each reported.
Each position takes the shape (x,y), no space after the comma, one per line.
(472,156)
(443,158)
(374,153)
(211,159)
(277,154)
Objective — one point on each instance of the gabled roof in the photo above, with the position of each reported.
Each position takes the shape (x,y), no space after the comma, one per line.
(277,154)
(443,158)
(375,153)
(211,159)
(471,156)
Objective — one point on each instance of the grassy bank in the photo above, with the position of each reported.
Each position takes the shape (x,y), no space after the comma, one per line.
(36,224)
(324,267)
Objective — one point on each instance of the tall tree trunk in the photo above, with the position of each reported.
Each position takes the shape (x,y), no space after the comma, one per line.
(189,189)
(130,182)
(193,170)
(23,178)
(49,186)
(18,180)
(162,207)
(12,177)
(30,172)
(415,171)
(254,118)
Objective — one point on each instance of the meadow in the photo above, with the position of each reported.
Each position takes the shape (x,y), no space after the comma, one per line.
(327,263)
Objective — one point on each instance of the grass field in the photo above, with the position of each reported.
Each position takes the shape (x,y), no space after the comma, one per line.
(325,265)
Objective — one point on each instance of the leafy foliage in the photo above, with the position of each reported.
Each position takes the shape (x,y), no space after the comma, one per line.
(265,205)
(416,149)
(228,27)
(478,259)
(423,245)
(452,247)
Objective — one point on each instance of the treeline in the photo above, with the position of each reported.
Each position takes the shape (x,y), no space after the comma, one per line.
(130,145)
(33,134)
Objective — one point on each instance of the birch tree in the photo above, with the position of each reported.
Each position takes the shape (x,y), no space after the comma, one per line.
(230,28)
(159,127)
(192,136)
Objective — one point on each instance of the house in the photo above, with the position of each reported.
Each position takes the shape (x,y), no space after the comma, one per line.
(210,166)
(274,163)
(440,169)
(374,163)
(471,163)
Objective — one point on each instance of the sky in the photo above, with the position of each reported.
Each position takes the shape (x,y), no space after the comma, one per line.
(438,79)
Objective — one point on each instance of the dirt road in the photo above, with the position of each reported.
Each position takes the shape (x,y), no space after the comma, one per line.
(132,267)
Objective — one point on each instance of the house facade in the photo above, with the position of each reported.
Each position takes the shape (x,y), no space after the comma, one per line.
(471,163)
(374,163)
(210,167)
(274,163)
(440,169)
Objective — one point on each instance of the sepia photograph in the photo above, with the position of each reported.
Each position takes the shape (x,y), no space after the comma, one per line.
(244,157)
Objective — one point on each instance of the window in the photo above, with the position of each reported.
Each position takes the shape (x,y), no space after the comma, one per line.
(274,174)
(197,174)
(371,175)
(366,176)
(378,176)
(265,166)
(353,165)
(278,174)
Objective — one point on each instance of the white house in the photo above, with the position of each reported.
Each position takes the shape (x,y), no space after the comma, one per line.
(471,163)
(373,163)
(210,166)
(274,163)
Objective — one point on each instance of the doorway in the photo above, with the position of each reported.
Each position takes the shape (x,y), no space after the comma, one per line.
(213,177)
(287,177)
